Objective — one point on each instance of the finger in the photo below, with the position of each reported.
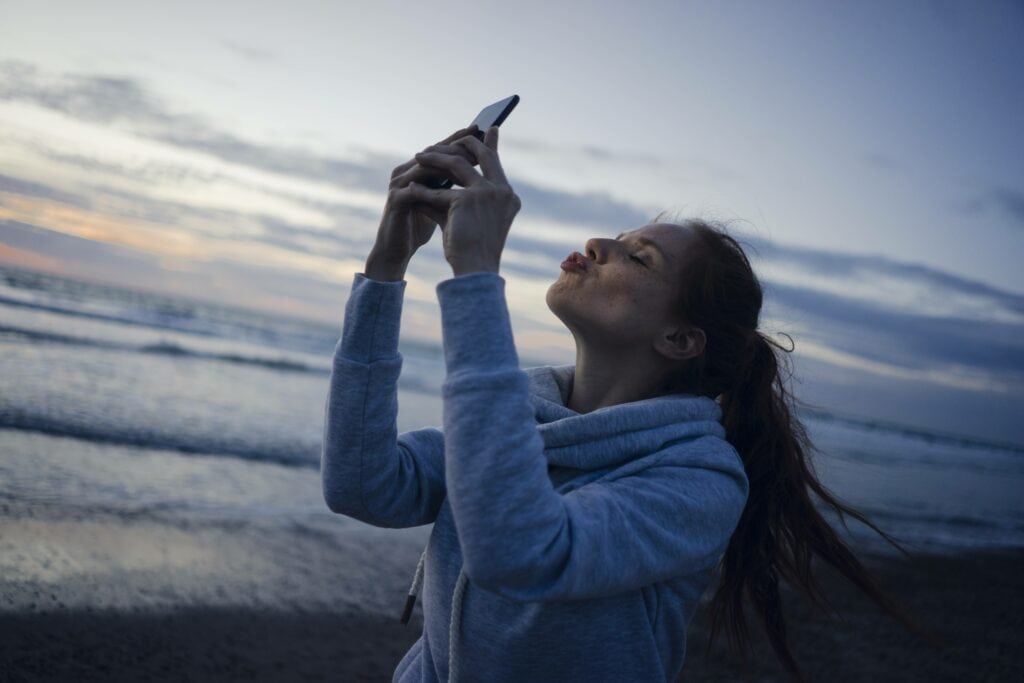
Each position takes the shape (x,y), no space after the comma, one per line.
(416,196)
(491,138)
(402,168)
(413,171)
(486,156)
(437,199)
(462,132)
(417,173)
(455,166)
(407,172)
(454,148)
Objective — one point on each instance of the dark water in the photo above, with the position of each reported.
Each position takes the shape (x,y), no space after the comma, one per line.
(122,399)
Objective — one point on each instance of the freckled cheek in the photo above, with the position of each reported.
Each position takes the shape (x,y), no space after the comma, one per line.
(624,303)
(648,302)
(623,294)
(633,295)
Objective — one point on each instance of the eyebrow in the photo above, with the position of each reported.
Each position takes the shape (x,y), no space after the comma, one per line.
(648,243)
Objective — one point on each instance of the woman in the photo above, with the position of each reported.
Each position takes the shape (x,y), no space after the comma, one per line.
(579,512)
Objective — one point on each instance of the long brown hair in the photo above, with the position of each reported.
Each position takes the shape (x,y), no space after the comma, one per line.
(780,530)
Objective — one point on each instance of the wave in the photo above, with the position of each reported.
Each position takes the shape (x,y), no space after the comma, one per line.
(95,315)
(411,380)
(911,432)
(171,349)
(307,455)
(174,318)
(954,519)
(918,528)
(164,348)
(966,460)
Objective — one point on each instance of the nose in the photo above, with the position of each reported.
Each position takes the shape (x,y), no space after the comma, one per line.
(599,248)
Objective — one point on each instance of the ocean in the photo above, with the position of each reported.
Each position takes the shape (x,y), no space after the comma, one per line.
(134,403)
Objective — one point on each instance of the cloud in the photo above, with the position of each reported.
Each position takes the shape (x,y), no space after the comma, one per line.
(31,189)
(877,278)
(868,306)
(293,162)
(597,209)
(899,337)
(107,100)
(101,99)
(342,241)
(228,281)
(153,172)
(159,173)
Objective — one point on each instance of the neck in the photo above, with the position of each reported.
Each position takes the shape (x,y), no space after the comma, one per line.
(610,377)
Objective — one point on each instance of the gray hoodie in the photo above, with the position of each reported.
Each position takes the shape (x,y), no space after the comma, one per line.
(565,546)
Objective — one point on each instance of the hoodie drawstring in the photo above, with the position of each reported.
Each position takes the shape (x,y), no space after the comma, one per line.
(454,624)
(417,581)
(453,630)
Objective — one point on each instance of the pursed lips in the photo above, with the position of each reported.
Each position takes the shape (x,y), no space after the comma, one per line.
(577,260)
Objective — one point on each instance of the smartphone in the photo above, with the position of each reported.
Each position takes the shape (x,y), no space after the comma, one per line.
(491,115)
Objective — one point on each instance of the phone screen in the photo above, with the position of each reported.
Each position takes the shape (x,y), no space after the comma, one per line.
(494,114)
(491,115)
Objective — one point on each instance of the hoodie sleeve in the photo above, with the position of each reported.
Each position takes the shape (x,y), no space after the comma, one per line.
(368,472)
(520,537)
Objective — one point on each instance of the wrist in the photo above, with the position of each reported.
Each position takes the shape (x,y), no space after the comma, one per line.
(473,265)
(385,269)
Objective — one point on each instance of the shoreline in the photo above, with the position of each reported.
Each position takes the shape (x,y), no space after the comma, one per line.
(126,564)
(971,598)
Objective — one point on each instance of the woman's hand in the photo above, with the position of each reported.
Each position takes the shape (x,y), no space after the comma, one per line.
(479,216)
(408,224)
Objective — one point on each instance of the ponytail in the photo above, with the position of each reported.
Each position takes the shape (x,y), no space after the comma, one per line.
(780,530)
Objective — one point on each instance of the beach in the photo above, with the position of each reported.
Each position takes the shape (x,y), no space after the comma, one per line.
(162,519)
(116,598)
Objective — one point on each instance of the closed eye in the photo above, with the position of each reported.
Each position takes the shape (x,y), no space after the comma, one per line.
(632,256)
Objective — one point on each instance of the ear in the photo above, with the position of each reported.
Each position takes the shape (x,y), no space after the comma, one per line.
(681,343)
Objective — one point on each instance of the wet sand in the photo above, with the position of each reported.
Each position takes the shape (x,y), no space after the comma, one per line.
(300,604)
(973,601)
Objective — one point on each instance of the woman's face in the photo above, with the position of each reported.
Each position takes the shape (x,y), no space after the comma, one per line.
(627,293)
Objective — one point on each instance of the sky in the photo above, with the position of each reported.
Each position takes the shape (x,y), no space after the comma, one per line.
(869,154)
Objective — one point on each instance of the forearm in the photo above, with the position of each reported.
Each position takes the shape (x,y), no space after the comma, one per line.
(366,473)
(504,504)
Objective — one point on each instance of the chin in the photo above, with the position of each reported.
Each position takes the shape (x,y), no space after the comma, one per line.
(550,299)
(562,306)
(554,300)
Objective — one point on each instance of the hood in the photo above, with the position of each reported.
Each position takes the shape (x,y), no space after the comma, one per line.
(614,434)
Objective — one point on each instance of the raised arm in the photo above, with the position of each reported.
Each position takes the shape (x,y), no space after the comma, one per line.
(368,471)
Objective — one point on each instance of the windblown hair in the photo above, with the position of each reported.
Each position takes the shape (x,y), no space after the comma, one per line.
(780,530)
